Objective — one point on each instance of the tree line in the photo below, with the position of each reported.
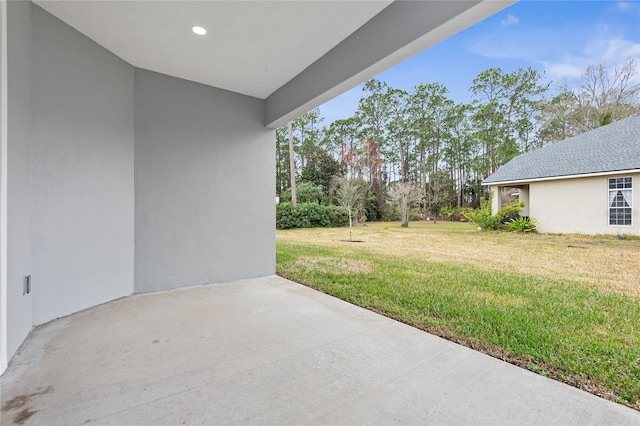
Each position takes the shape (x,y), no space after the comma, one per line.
(444,149)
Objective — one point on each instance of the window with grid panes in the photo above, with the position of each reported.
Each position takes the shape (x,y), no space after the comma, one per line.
(620,202)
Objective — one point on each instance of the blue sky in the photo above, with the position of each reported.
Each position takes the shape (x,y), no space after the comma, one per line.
(558,38)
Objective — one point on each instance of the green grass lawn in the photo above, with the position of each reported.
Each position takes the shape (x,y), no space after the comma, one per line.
(567,307)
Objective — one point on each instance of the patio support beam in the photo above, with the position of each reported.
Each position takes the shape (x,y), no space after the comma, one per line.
(400,31)
(495,200)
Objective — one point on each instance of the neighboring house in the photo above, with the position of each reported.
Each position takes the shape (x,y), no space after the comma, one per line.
(588,184)
(139,156)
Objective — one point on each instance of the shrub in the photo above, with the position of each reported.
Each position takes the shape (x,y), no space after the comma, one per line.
(523,225)
(390,213)
(306,192)
(462,214)
(309,215)
(339,216)
(455,213)
(510,211)
(448,213)
(416,214)
(482,217)
(505,216)
(489,223)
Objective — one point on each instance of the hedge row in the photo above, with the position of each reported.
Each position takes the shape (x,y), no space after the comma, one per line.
(310,215)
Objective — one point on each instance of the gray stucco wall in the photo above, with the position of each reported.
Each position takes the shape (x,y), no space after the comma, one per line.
(204,167)
(82,171)
(79,120)
(19,306)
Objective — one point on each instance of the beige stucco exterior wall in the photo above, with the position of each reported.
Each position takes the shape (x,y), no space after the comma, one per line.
(580,205)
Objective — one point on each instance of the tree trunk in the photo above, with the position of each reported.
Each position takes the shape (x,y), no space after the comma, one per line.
(423,166)
(292,166)
(404,166)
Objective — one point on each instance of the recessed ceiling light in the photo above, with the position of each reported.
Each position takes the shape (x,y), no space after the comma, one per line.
(199,30)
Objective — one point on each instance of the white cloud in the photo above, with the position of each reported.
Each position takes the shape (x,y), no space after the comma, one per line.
(561,52)
(624,5)
(509,20)
(526,45)
(612,51)
(562,70)
(620,49)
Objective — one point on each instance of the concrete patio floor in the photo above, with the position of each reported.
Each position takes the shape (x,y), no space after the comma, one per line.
(270,351)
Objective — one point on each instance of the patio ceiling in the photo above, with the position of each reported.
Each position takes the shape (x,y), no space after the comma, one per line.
(295,54)
(251,47)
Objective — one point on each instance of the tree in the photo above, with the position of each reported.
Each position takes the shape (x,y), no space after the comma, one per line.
(350,194)
(397,130)
(487,118)
(460,148)
(519,88)
(307,135)
(602,95)
(440,193)
(504,106)
(373,112)
(296,143)
(428,108)
(609,93)
(282,161)
(410,136)
(405,196)
(473,192)
(320,170)
(292,166)
(342,137)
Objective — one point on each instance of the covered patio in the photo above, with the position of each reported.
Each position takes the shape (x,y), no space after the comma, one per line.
(270,351)
(137,244)
(138,154)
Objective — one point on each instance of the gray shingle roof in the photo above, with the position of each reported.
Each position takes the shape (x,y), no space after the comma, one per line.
(614,147)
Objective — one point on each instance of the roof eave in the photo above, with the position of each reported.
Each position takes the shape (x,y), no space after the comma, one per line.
(542,179)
